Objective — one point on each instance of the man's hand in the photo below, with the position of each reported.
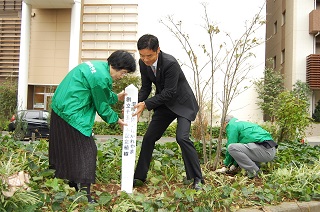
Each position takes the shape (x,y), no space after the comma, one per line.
(223,170)
(228,170)
(232,168)
(121,95)
(121,123)
(140,107)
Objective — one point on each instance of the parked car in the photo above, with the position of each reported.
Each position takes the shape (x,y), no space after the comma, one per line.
(35,121)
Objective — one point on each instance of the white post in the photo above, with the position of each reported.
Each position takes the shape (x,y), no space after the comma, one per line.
(24,56)
(129,139)
(75,34)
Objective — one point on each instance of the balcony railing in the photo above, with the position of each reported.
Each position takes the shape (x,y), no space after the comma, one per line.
(313,71)
(9,5)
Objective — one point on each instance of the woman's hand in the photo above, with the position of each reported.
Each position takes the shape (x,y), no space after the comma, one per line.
(121,95)
(122,123)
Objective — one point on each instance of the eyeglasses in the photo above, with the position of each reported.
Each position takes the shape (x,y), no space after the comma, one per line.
(124,74)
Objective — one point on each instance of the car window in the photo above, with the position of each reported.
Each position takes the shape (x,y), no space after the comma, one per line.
(32,115)
(45,115)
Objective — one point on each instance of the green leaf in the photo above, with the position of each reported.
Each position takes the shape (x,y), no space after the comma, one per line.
(157,165)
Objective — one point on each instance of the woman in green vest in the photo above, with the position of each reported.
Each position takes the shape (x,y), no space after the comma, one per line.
(85,91)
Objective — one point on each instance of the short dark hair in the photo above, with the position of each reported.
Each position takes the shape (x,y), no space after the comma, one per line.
(122,60)
(148,41)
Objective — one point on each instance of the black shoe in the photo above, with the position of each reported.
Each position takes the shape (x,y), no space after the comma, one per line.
(92,201)
(138,182)
(197,183)
(73,184)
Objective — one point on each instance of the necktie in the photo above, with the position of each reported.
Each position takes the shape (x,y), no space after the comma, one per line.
(154,70)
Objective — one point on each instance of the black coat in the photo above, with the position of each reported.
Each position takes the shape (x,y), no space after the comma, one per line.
(172,87)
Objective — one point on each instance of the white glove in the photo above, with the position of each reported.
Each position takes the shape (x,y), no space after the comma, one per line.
(222,170)
(232,168)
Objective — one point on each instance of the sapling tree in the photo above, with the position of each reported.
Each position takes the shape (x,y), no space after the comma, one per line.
(203,82)
(236,69)
(232,64)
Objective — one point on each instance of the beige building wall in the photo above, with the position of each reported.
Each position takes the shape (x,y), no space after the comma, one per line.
(273,34)
(106,26)
(49,46)
(288,39)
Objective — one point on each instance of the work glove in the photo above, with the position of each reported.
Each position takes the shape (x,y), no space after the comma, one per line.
(222,170)
(232,168)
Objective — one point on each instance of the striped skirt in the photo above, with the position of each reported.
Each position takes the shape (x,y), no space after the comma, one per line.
(71,154)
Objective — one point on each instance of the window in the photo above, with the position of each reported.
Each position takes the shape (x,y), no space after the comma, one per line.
(283,20)
(31,115)
(274,62)
(283,55)
(275,26)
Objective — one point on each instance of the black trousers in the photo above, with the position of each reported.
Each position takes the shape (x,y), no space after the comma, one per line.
(161,119)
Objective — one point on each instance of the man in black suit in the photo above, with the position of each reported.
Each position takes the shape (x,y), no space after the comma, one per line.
(173,99)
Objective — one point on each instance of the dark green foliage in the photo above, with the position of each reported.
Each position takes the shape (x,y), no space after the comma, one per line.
(316,113)
(301,90)
(216,131)
(120,85)
(292,117)
(103,128)
(290,152)
(292,175)
(8,102)
(268,89)
(287,110)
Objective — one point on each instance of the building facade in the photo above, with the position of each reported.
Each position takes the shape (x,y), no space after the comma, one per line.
(293,42)
(41,40)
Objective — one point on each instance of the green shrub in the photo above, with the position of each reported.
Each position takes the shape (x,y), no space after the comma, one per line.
(292,176)
(8,102)
(103,128)
(120,85)
(215,132)
(292,117)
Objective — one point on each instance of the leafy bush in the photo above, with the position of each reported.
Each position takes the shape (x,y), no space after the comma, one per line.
(293,175)
(8,102)
(268,89)
(120,85)
(103,128)
(288,110)
(292,117)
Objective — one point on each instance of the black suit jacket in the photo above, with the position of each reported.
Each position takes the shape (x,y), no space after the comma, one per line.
(172,87)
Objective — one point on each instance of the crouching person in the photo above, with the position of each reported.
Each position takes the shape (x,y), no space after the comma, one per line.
(248,145)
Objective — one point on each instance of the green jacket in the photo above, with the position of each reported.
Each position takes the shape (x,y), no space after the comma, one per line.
(85,90)
(243,132)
